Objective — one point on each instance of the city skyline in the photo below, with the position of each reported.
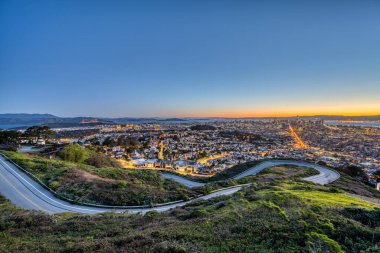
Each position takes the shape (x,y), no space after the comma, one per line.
(237,116)
(199,59)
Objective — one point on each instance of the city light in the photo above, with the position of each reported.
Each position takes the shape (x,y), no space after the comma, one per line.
(300,143)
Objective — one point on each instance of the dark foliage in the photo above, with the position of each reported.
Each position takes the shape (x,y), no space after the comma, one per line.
(202,128)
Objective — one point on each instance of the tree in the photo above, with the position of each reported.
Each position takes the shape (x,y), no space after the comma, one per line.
(202,154)
(107,141)
(202,127)
(356,172)
(176,138)
(10,138)
(74,153)
(376,175)
(36,132)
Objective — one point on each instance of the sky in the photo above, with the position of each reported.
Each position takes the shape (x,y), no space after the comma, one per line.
(195,58)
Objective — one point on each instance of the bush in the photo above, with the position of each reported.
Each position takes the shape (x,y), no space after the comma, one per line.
(55,185)
(199,213)
(322,243)
(99,161)
(152,214)
(167,247)
(74,153)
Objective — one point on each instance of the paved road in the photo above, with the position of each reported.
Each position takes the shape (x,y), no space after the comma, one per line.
(26,193)
(325,175)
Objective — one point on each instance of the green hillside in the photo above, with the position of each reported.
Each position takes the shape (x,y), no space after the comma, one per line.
(278,213)
(108,186)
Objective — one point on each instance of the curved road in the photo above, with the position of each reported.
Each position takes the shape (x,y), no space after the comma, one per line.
(325,175)
(26,193)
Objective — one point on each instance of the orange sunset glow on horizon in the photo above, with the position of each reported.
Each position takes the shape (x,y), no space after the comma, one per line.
(285,112)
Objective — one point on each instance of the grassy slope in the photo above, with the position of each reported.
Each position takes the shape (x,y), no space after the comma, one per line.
(282,214)
(352,185)
(109,186)
(115,186)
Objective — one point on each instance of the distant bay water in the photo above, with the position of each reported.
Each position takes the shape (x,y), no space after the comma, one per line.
(11,126)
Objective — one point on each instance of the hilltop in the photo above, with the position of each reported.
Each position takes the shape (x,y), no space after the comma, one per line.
(278,213)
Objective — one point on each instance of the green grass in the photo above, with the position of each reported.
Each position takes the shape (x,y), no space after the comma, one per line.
(263,218)
(278,213)
(333,199)
(284,214)
(351,185)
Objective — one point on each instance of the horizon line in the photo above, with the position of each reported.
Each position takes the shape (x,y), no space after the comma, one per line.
(205,117)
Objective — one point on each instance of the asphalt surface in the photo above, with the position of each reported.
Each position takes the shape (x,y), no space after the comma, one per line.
(26,193)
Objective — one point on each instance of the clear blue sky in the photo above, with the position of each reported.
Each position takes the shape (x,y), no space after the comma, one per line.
(189,58)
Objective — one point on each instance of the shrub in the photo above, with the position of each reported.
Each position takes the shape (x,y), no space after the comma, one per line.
(198,213)
(74,153)
(55,185)
(167,247)
(322,243)
(152,214)
(99,161)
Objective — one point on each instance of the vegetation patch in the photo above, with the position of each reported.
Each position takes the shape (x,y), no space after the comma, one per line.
(107,186)
(286,215)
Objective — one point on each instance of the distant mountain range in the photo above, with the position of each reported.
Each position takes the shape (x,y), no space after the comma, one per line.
(22,120)
(18,120)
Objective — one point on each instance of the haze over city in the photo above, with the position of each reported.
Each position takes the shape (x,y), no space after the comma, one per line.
(190,58)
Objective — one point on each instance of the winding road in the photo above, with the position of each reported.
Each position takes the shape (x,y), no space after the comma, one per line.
(325,175)
(26,193)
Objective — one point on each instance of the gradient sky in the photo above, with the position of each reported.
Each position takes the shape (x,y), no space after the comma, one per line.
(190,58)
